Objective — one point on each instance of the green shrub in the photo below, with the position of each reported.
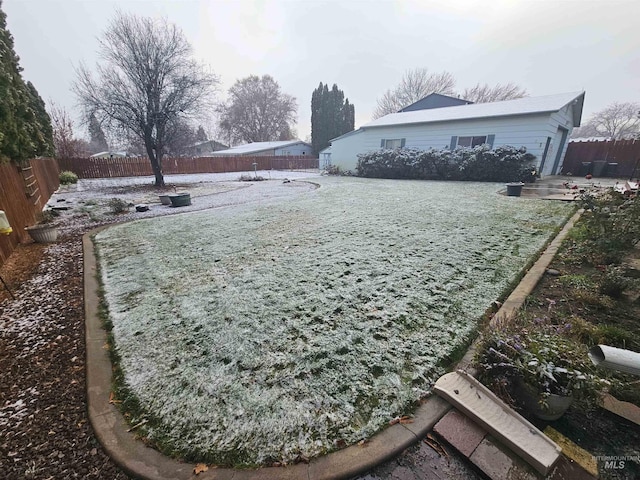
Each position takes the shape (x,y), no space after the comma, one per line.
(481,163)
(251,178)
(117,205)
(609,227)
(66,177)
(613,282)
(336,170)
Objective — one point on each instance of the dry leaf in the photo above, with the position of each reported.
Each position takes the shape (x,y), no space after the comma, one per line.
(406,419)
(201,467)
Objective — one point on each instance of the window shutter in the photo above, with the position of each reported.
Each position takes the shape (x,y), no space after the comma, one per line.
(402,142)
(454,142)
(490,140)
(382,143)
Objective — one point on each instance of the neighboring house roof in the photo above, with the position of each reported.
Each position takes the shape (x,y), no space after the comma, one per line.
(520,106)
(435,100)
(214,143)
(257,147)
(325,150)
(352,132)
(108,154)
(207,147)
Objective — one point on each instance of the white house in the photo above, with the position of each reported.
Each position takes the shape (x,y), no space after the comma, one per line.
(267,149)
(324,158)
(541,124)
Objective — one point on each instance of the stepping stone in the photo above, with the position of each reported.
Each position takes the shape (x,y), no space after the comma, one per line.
(492,414)
(499,464)
(461,432)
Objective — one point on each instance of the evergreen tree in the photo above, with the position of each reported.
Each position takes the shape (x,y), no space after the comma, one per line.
(97,139)
(201,135)
(25,126)
(331,116)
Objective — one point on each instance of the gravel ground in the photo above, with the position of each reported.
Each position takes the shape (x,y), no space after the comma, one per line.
(44,429)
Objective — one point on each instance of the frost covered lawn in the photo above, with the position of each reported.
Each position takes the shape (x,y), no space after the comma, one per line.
(260,334)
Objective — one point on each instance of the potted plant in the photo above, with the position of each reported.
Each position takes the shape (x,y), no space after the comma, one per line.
(538,369)
(44,231)
(180,199)
(514,189)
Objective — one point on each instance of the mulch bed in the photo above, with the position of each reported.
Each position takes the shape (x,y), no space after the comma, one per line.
(44,428)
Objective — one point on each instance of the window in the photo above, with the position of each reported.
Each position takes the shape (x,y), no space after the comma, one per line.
(471,141)
(393,143)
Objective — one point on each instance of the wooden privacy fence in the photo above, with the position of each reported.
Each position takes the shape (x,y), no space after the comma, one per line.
(624,153)
(140,166)
(24,191)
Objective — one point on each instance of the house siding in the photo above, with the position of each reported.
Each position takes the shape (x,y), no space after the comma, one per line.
(530,131)
(297,149)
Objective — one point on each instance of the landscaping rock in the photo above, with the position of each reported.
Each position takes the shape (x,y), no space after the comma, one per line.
(553,272)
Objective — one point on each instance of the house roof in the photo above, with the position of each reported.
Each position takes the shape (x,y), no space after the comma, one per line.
(108,154)
(520,106)
(257,147)
(435,100)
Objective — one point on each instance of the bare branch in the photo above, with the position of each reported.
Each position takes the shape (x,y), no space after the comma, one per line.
(257,111)
(485,93)
(146,82)
(618,120)
(415,85)
(66,146)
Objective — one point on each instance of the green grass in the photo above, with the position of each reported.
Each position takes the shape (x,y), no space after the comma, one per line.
(266,333)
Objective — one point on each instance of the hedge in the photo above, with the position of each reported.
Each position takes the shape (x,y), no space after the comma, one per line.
(481,163)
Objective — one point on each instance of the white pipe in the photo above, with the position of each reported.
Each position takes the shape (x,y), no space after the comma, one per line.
(615,359)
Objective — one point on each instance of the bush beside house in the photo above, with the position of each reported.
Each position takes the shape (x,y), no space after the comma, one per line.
(481,163)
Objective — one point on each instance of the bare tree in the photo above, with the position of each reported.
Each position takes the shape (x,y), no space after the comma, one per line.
(180,138)
(258,111)
(485,93)
(66,146)
(415,85)
(147,80)
(617,120)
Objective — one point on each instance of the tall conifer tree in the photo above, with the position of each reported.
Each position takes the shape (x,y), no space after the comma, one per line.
(331,116)
(25,126)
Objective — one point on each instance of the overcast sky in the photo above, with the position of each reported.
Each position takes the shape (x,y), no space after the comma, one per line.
(364,46)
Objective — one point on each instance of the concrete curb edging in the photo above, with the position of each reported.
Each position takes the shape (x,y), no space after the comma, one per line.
(141,461)
(519,295)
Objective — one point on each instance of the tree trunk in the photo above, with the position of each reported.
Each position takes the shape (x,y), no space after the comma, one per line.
(156,166)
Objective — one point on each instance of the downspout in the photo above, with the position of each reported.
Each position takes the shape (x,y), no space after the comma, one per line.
(615,359)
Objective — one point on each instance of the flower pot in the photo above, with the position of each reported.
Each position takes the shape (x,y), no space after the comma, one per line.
(43,233)
(549,407)
(165,200)
(180,199)
(514,189)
